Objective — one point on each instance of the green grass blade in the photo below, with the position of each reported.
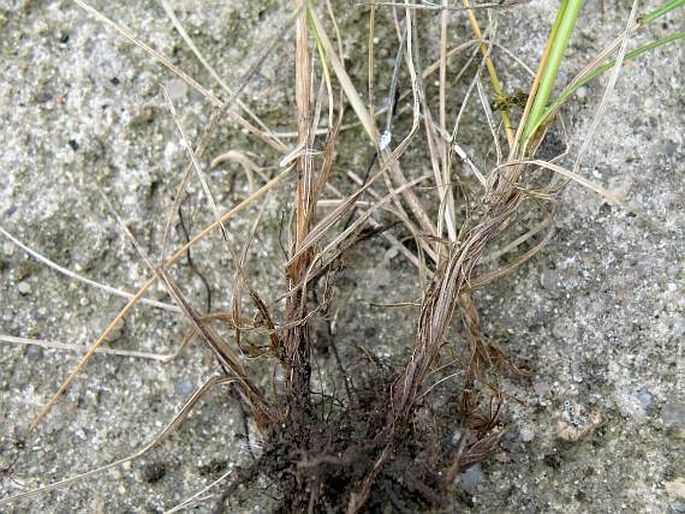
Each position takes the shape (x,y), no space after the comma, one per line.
(657,13)
(572,88)
(558,41)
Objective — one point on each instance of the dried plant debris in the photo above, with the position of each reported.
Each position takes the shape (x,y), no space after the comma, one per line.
(575,422)
(330,242)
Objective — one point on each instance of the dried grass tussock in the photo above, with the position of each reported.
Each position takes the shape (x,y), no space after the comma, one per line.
(453,185)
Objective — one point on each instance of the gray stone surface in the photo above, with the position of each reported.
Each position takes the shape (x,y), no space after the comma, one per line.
(599,313)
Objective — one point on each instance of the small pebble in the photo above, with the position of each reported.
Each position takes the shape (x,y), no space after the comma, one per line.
(153,472)
(471,478)
(669,148)
(184,387)
(456,438)
(541,388)
(563,329)
(574,422)
(34,352)
(646,399)
(549,279)
(527,434)
(24,287)
(8,249)
(673,415)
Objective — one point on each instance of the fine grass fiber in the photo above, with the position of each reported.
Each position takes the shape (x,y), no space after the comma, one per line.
(318,260)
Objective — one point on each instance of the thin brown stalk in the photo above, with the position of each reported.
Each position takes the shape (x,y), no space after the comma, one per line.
(228,359)
(494,79)
(121,315)
(297,350)
(169,429)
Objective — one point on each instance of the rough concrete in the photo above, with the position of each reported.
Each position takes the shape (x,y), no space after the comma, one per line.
(599,313)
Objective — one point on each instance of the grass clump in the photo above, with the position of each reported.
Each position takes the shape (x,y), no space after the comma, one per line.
(370,435)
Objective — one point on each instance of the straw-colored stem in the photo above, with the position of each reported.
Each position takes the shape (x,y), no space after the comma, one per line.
(557,43)
(496,85)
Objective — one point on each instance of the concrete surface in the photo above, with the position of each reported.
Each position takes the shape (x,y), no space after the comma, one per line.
(599,313)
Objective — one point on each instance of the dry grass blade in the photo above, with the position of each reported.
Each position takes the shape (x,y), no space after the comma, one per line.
(447,208)
(230,214)
(394,415)
(545,224)
(203,181)
(513,57)
(215,100)
(251,168)
(391,159)
(126,33)
(462,109)
(345,82)
(359,498)
(188,40)
(197,497)
(485,49)
(370,60)
(437,152)
(323,226)
(445,7)
(240,278)
(225,106)
(488,278)
(296,355)
(375,224)
(57,345)
(587,138)
(588,184)
(358,223)
(170,428)
(438,308)
(98,343)
(265,134)
(228,359)
(485,105)
(79,278)
(185,142)
(144,288)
